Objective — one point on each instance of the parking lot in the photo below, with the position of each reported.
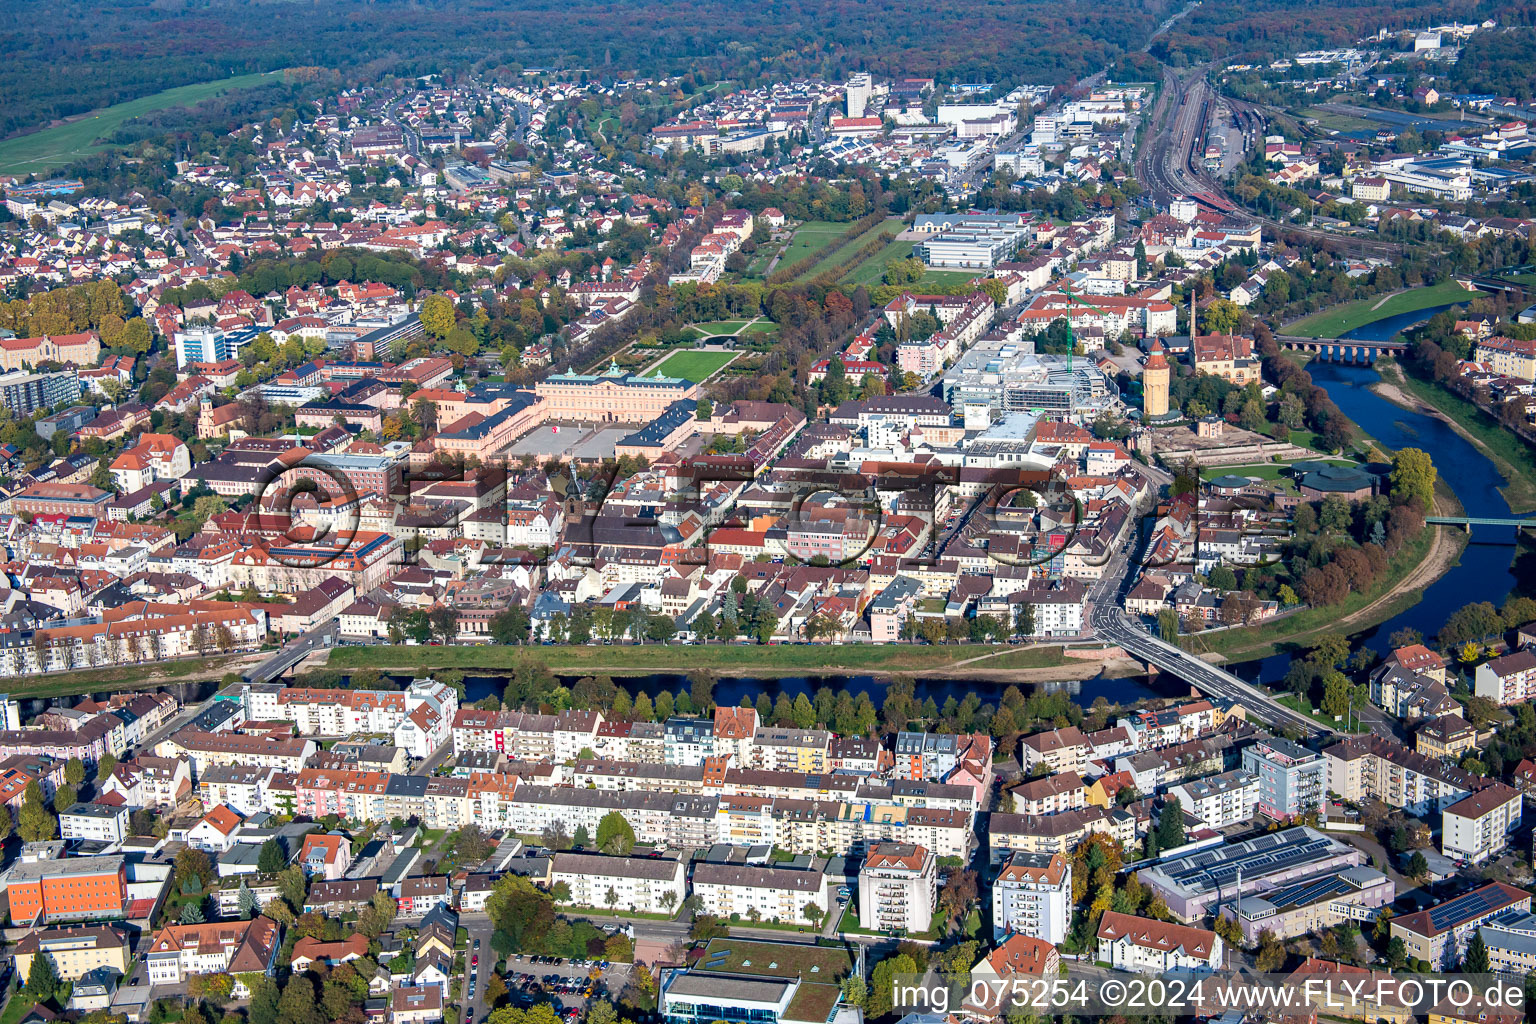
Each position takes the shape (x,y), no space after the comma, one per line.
(568,983)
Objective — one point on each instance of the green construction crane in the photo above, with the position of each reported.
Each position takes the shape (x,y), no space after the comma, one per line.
(1073,300)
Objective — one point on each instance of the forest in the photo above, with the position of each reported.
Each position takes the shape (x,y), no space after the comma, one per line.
(71,56)
(1268,29)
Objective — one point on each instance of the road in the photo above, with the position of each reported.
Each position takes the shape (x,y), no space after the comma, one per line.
(293,652)
(1112,623)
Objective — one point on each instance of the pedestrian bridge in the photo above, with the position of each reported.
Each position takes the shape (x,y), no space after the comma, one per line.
(1468,522)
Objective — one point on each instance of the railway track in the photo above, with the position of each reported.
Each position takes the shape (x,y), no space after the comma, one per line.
(1173,166)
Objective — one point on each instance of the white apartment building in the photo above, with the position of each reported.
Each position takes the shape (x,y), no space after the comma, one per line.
(639,884)
(762,893)
(100,823)
(242,789)
(1510,679)
(1139,944)
(1032,895)
(896,888)
(1476,827)
(1219,800)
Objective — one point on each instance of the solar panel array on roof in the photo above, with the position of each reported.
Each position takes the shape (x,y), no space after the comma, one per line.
(1466,907)
(1204,870)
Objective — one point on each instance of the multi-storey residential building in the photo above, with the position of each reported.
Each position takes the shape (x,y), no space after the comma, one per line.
(792,750)
(1219,800)
(763,893)
(1060,750)
(1509,356)
(1032,895)
(243,790)
(1439,935)
(733,734)
(1056,833)
(218,947)
(1510,679)
(149,781)
(206,749)
(1445,736)
(75,950)
(1292,779)
(101,823)
(651,885)
(1374,766)
(1145,946)
(1511,942)
(1010,973)
(1050,794)
(1476,827)
(688,741)
(897,888)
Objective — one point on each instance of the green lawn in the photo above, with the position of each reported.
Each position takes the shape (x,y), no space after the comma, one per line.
(1331,323)
(809,240)
(1295,703)
(760,327)
(752,659)
(870,272)
(944,278)
(50,148)
(833,257)
(104,680)
(720,328)
(694,366)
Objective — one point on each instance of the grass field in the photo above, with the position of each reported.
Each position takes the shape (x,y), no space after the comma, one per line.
(1339,122)
(760,327)
(694,366)
(754,660)
(50,148)
(720,328)
(944,278)
(1331,323)
(831,258)
(810,239)
(870,271)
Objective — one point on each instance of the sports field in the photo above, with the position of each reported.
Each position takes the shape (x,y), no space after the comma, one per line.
(694,366)
(50,148)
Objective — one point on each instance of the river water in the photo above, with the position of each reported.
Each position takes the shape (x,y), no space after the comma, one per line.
(1484,572)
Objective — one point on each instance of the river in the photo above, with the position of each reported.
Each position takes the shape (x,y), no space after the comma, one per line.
(729,691)
(1484,572)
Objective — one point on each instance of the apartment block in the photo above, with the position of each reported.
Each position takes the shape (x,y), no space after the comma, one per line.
(897,888)
(1032,895)
(1292,779)
(1477,827)
(640,884)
